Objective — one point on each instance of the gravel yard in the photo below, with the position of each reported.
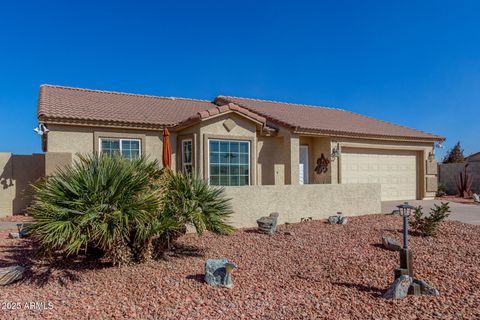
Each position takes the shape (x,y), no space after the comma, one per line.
(320,272)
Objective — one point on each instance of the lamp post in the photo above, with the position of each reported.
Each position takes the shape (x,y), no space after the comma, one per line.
(406,255)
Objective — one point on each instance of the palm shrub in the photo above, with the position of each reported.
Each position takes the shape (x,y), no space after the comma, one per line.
(126,210)
(104,203)
(427,225)
(190,200)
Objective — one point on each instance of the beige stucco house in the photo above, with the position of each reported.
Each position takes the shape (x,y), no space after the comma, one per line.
(236,141)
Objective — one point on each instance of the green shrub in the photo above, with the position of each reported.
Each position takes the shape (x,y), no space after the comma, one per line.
(441,190)
(427,226)
(126,210)
(190,200)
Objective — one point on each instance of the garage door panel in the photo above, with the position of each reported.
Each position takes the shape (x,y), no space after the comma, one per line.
(396,171)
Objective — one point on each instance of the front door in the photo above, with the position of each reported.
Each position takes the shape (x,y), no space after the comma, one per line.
(303,161)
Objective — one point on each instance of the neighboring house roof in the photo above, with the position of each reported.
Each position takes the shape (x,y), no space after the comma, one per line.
(75,105)
(324,119)
(58,103)
(474,157)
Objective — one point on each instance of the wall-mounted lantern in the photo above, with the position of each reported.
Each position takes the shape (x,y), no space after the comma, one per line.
(431,156)
(335,153)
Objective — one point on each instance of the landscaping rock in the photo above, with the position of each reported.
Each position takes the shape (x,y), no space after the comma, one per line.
(219,272)
(11,274)
(333,219)
(399,288)
(476,197)
(14,235)
(337,220)
(427,289)
(391,244)
(268,224)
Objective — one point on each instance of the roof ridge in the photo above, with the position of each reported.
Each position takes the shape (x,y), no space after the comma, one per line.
(392,123)
(119,93)
(283,102)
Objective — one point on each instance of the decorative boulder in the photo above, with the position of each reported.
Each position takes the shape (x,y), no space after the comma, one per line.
(268,224)
(476,197)
(399,288)
(333,219)
(11,274)
(22,231)
(391,244)
(14,235)
(219,272)
(427,289)
(337,220)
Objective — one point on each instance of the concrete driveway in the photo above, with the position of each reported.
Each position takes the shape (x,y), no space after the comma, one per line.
(467,213)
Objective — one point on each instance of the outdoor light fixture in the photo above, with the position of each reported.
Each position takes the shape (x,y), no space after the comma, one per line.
(41,129)
(335,153)
(406,255)
(405,211)
(439,145)
(431,156)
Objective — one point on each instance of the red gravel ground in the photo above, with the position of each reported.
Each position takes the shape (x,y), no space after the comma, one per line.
(321,272)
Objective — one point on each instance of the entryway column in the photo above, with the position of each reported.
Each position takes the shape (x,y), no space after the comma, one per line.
(291,148)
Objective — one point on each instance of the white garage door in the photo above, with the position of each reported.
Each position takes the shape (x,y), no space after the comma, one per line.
(395,170)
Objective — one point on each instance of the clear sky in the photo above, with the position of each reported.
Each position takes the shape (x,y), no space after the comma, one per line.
(414,63)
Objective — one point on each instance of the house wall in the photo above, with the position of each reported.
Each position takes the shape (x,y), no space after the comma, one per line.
(17,172)
(294,202)
(214,129)
(271,165)
(84,140)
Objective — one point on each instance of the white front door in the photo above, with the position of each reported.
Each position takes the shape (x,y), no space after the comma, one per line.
(303,161)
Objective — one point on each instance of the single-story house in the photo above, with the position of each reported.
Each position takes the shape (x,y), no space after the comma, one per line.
(234,141)
(474,157)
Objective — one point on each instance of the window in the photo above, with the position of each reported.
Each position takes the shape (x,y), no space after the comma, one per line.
(128,148)
(187,163)
(229,162)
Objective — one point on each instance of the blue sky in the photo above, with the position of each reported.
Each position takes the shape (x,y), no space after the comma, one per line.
(414,63)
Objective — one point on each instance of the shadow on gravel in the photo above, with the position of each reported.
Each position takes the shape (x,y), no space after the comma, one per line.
(199,277)
(374,291)
(39,271)
(183,250)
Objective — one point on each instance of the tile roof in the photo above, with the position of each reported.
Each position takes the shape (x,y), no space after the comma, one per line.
(66,103)
(324,119)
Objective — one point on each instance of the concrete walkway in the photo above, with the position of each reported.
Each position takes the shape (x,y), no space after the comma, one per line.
(467,213)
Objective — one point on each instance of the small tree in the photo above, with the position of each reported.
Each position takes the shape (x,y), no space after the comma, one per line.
(427,225)
(454,155)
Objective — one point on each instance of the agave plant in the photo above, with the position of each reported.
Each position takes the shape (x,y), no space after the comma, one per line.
(100,202)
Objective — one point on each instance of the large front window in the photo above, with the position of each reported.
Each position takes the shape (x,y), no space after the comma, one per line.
(128,148)
(229,162)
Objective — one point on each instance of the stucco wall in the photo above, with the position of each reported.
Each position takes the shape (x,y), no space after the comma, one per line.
(294,202)
(449,173)
(78,139)
(271,166)
(17,172)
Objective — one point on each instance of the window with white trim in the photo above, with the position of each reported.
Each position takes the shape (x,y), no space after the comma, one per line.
(128,148)
(229,162)
(187,162)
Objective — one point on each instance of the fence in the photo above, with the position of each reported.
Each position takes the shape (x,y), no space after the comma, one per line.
(294,202)
(17,172)
(448,174)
